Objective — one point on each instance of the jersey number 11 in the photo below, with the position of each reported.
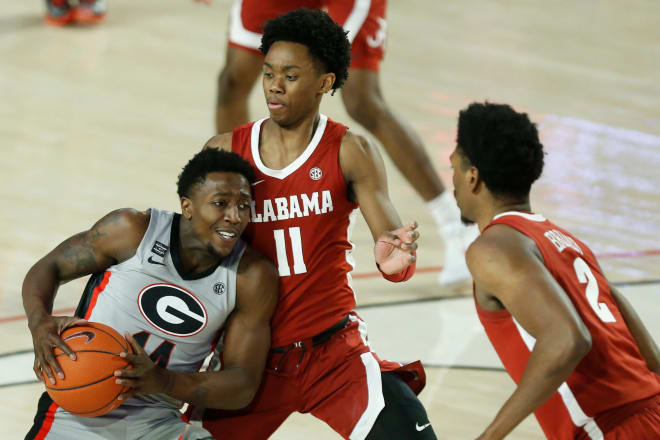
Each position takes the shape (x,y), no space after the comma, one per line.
(296,250)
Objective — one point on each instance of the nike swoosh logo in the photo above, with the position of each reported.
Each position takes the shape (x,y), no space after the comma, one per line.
(84,334)
(152,261)
(257,182)
(421,428)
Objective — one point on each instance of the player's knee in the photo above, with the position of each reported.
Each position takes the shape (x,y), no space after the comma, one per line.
(366,107)
(232,85)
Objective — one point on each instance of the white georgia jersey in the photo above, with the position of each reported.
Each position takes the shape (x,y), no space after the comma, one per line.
(176,317)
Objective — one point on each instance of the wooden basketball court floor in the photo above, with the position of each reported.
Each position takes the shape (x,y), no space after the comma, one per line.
(93,119)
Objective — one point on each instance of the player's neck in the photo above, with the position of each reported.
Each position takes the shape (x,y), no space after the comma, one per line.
(500,206)
(193,255)
(281,145)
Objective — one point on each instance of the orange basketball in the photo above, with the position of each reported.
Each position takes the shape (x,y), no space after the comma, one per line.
(88,388)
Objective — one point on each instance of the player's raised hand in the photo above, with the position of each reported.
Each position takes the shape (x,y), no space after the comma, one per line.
(45,337)
(395,250)
(144,376)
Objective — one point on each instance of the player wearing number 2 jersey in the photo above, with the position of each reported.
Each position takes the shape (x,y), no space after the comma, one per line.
(171,282)
(583,361)
(312,175)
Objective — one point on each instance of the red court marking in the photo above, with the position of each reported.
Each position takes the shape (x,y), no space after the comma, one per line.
(427,269)
(19,317)
(628,254)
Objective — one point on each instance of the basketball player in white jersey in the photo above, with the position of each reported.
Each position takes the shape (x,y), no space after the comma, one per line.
(195,264)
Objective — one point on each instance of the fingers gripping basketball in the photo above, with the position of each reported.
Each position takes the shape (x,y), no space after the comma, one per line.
(88,388)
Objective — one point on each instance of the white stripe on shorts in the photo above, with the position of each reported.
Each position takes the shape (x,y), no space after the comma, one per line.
(356,18)
(376,402)
(237,33)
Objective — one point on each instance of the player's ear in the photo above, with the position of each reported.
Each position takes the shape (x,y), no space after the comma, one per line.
(186,208)
(473,179)
(327,81)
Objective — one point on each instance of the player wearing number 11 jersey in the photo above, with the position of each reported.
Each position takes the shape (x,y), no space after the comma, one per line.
(312,174)
(582,359)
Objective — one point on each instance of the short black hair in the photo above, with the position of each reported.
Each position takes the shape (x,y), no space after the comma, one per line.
(211,160)
(503,145)
(325,39)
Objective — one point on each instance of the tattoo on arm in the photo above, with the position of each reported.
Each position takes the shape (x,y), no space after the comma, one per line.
(77,256)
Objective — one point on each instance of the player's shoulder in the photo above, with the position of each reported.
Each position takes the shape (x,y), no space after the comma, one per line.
(356,149)
(120,232)
(257,280)
(126,219)
(254,264)
(356,141)
(498,246)
(220,141)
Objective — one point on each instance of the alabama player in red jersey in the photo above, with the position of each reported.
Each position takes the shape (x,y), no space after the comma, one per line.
(366,24)
(312,175)
(583,361)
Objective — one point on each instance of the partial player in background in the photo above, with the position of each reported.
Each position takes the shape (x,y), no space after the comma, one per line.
(583,361)
(361,93)
(64,12)
(312,176)
(172,282)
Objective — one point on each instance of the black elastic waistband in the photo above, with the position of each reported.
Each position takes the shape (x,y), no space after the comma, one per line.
(315,340)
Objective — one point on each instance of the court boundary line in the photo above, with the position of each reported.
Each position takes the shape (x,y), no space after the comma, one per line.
(380,304)
(426,365)
(377,305)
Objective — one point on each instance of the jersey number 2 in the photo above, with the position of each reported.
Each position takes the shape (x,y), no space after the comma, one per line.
(584,275)
(296,251)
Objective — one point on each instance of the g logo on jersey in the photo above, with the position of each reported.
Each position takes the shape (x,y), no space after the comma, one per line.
(172,310)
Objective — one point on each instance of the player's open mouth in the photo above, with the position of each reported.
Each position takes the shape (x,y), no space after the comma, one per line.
(275,105)
(226,235)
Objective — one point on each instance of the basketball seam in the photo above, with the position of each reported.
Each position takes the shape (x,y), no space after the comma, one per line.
(101,407)
(111,335)
(88,351)
(80,386)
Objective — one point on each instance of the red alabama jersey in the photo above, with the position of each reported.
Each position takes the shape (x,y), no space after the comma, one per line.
(612,374)
(301,219)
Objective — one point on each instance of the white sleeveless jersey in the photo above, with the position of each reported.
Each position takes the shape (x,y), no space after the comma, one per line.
(176,317)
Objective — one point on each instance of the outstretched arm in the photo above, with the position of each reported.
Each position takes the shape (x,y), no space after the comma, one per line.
(247,342)
(112,239)
(364,172)
(506,265)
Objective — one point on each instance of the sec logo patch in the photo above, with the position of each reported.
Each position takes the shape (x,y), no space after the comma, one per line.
(315,173)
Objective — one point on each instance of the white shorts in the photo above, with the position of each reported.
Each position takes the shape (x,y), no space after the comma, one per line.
(124,423)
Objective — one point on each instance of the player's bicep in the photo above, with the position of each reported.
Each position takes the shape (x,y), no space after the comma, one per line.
(364,170)
(113,238)
(503,266)
(247,339)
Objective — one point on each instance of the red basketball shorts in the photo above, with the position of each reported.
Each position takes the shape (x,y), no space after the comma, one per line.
(363,19)
(641,422)
(337,381)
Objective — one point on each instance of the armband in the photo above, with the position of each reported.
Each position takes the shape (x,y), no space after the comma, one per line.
(401,276)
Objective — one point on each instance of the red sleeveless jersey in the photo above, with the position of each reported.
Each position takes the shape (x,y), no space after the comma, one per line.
(612,374)
(302,219)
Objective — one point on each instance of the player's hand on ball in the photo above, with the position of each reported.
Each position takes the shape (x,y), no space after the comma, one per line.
(394,250)
(45,337)
(144,376)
